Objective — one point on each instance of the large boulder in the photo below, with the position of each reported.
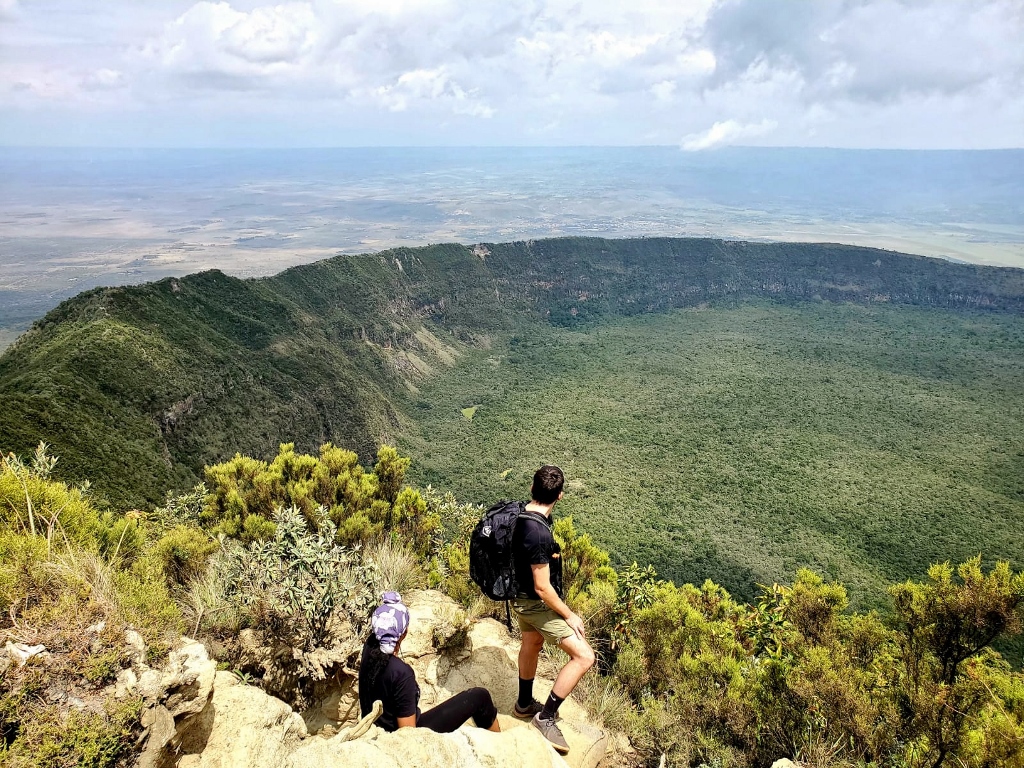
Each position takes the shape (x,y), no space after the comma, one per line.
(172,695)
(242,726)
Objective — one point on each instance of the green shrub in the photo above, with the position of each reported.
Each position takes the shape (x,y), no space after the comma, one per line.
(182,554)
(120,537)
(300,584)
(23,575)
(143,600)
(363,506)
(31,502)
(46,738)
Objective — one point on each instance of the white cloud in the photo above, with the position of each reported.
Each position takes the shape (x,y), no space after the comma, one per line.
(430,85)
(664,90)
(726,132)
(558,71)
(217,39)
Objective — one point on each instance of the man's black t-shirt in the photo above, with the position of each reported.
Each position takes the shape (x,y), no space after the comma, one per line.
(396,687)
(534,544)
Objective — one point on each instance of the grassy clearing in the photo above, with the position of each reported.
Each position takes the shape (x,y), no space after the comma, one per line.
(740,443)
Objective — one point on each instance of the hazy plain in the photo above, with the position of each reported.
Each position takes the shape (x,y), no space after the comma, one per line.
(75,219)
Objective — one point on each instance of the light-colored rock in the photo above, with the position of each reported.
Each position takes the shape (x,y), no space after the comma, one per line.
(126,684)
(242,728)
(187,680)
(466,748)
(784,762)
(149,685)
(488,662)
(340,706)
(588,744)
(22,652)
(135,645)
(159,723)
(425,609)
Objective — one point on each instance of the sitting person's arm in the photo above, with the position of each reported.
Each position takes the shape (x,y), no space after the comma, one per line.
(404,698)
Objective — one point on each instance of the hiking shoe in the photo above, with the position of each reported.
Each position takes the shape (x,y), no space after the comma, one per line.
(550,730)
(527,712)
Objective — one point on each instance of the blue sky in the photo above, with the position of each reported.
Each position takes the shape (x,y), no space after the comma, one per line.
(698,74)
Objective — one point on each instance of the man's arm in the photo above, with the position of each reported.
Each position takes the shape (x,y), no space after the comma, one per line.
(547,593)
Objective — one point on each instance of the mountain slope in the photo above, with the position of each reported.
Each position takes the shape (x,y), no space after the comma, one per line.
(137,388)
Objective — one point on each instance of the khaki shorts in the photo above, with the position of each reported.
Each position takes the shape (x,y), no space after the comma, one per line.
(534,616)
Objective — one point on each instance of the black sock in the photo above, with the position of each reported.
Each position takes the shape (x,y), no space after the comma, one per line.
(525,692)
(551,707)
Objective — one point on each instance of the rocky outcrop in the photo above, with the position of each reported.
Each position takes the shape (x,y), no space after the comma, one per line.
(242,726)
(172,695)
(197,717)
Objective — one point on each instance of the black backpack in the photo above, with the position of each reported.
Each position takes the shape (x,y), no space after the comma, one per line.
(491,564)
(491,561)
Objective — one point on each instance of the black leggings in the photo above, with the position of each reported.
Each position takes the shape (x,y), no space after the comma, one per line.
(450,714)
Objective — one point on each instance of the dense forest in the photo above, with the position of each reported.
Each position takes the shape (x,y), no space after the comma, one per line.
(743,442)
(725,410)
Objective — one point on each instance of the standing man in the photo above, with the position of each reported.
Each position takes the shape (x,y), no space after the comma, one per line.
(543,616)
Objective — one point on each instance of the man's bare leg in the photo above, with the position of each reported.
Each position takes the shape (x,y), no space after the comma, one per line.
(529,652)
(581,659)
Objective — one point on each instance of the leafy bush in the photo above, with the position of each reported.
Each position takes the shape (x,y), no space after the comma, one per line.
(24,579)
(49,739)
(363,506)
(716,682)
(182,554)
(72,580)
(300,586)
(39,506)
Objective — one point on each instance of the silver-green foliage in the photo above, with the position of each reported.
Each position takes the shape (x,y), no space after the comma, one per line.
(300,586)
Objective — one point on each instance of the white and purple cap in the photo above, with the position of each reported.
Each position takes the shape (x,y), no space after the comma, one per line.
(390,621)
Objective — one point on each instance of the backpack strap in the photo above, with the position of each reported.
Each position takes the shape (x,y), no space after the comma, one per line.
(536,517)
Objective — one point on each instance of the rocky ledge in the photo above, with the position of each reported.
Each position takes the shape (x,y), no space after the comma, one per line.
(197,717)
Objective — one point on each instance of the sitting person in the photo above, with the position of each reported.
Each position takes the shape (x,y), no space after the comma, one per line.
(385,677)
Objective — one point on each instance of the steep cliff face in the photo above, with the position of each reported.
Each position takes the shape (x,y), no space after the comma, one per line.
(197,717)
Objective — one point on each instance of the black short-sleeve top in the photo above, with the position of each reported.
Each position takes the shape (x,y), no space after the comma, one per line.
(395,687)
(534,544)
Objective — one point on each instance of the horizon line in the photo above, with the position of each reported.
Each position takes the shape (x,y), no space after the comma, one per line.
(312,147)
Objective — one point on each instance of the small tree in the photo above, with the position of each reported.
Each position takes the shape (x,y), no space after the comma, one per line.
(944,629)
(390,470)
(363,506)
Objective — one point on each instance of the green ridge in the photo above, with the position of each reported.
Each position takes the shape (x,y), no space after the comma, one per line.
(137,388)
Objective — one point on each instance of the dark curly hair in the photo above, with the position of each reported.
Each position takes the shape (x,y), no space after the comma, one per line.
(547,484)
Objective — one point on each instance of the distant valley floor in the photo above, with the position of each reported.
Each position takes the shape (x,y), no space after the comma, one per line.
(741,442)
